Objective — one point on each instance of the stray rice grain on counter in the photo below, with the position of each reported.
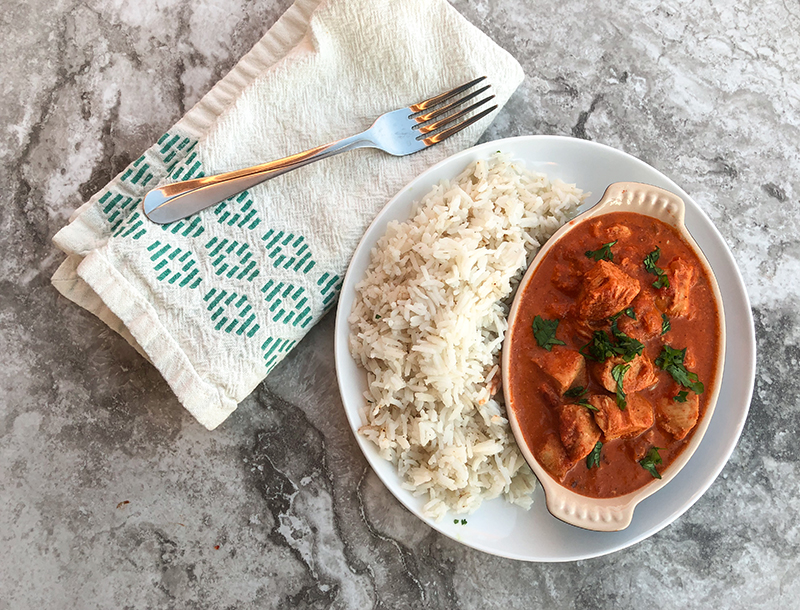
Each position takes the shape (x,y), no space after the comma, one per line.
(428,324)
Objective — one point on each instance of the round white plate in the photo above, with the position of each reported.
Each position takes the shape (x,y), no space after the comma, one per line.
(498,527)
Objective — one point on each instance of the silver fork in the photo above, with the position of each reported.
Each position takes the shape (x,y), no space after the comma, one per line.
(400,132)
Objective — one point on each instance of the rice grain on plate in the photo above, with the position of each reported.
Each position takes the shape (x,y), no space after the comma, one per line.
(428,323)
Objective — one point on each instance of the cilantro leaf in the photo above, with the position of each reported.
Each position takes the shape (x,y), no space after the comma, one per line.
(593,459)
(650,262)
(628,311)
(662,281)
(604,345)
(649,461)
(670,356)
(618,373)
(576,392)
(626,346)
(666,325)
(603,253)
(671,360)
(681,396)
(599,348)
(544,331)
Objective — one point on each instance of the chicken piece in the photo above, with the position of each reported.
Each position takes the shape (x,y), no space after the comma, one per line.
(648,318)
(584,329)
(563,366)
(641,375)
(606,289)
(618,232)
(674,300)
(614,232)
(627,260)
(553,458)
(678,418)
(567,277)
(549,396)
(578,430)
(689,361)
(643,443)
(617,423)
(557,309)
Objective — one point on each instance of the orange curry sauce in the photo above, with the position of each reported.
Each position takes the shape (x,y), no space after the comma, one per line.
(569,287)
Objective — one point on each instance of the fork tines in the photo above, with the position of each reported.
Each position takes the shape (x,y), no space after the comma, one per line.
(447,109)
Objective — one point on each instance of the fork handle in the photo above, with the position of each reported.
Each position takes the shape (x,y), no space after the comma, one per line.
(178,200)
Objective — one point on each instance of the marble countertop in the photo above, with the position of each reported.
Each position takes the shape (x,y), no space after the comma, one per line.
(112,496)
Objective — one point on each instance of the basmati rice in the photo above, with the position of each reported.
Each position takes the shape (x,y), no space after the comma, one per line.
(428,323)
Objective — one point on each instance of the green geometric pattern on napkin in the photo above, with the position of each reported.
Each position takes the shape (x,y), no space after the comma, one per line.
(173,264)
(232,259)
(176,250)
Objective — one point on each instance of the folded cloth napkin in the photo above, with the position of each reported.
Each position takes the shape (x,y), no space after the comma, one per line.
(217,300)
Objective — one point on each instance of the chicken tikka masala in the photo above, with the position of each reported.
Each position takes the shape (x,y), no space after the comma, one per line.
(615,339)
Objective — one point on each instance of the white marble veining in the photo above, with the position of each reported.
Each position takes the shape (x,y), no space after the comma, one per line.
(112,496)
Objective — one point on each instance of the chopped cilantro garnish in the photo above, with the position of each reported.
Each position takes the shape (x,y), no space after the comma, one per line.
(671,360)
(666,325)
(662,281)
(575,392)
(593,459)
(618,373)
(578,392)
(681,396)
(599,348)
(628,311)
(627,347)
(649,461)
(650,262)
(603,253)
(544,331)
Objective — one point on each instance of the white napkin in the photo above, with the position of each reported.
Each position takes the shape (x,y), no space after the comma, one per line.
(217,300)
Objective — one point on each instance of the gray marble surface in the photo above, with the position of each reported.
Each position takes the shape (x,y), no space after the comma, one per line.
(111,496)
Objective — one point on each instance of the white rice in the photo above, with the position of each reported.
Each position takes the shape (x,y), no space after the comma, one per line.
(428,324)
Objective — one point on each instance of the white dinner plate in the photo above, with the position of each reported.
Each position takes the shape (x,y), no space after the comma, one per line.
(534,535)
